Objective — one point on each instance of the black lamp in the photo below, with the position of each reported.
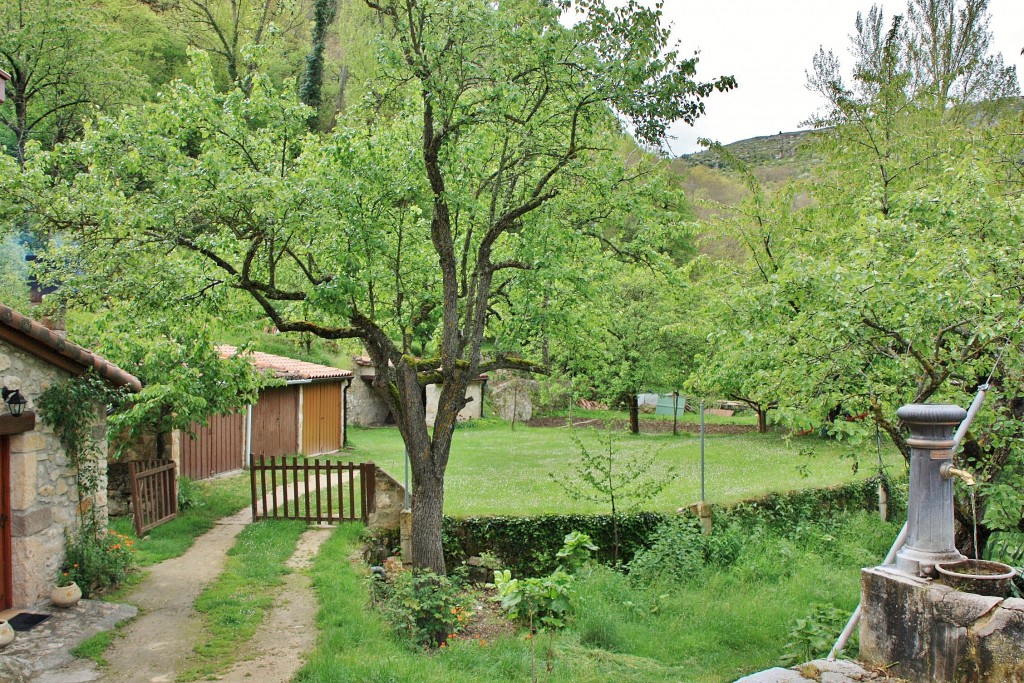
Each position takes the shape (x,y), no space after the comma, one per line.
(15,401)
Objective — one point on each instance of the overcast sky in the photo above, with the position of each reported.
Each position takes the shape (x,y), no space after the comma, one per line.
(768,46)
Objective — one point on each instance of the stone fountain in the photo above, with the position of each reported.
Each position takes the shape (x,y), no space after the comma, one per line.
(912,624)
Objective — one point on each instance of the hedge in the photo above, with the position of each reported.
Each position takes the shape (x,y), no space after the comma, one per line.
(527,545)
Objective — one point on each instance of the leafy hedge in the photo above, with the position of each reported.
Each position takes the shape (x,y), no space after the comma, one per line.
(527,545)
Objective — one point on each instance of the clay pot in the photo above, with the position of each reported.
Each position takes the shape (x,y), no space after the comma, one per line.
(6,634)
(66,596)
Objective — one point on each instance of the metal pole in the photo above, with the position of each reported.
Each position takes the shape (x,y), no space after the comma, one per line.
(675,413)
(702,450)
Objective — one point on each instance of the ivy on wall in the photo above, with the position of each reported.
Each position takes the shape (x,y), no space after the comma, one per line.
(71,407)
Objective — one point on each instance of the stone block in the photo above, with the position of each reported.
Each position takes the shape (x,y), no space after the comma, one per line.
(30,522)
(29,442)
(930,632)
(23,481)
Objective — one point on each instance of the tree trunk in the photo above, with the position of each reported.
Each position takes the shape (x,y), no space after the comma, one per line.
(427,514)
(634,415)
(762,420)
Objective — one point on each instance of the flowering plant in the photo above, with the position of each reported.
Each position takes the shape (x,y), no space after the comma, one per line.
(96,560)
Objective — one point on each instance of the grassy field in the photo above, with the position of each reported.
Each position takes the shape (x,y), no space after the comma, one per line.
(497,470)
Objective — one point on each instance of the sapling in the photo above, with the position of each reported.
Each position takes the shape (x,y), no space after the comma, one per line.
(620,479)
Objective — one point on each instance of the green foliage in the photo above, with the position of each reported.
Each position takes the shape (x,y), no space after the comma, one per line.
(189,495)
(615,480)
(542,602)
(423,607)
(96,561)
(681,553)
(812,637)
(529,546)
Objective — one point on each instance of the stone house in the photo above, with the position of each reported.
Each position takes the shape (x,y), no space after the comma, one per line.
(367,409)
(39,500)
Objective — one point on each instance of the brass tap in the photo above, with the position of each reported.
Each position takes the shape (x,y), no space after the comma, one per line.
(948,472)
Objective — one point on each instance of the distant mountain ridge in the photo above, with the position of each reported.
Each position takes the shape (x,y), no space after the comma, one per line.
(758,151)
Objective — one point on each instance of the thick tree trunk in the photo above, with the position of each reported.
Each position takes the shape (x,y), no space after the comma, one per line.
(762,420)
(634,415)
(427,514)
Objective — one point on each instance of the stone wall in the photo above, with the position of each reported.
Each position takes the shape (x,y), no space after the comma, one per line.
(44,496)
(470,411)
(921,630)
(514,398)
(389,499)
(364,407)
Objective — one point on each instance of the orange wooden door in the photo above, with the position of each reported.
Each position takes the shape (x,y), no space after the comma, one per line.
(321,418)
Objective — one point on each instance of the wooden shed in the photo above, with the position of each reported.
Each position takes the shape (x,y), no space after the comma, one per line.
(306,415)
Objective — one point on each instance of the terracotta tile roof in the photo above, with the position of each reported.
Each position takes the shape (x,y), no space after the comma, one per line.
(35,338)
(287,368)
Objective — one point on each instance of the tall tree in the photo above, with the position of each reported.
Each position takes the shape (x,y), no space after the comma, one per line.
(64,56)
(405,235)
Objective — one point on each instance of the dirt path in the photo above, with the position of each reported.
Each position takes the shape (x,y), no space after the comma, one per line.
(289,631)
(158,644)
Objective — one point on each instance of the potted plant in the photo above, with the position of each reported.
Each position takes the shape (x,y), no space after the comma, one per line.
(66,593)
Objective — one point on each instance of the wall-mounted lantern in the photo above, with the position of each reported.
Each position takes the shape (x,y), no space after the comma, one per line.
(14,400)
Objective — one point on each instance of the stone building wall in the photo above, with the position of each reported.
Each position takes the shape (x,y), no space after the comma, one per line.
(44,496)
(364,408)
(470,411)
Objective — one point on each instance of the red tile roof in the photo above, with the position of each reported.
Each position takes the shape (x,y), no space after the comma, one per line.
(42,342)
(287,368)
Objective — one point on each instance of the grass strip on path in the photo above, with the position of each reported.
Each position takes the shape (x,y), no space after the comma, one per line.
(233,606)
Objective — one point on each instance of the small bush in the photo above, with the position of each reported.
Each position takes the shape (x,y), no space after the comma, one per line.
(813,636)
(96,560)
(189,495)
(682,553)
(422,606)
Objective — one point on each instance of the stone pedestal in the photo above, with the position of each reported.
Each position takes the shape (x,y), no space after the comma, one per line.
(920,630)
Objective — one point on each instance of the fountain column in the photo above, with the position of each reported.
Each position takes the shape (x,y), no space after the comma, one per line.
(930,536)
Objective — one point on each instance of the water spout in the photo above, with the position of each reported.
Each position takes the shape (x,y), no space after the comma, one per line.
(948,471)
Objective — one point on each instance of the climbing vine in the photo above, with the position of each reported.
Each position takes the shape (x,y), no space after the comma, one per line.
(70,407)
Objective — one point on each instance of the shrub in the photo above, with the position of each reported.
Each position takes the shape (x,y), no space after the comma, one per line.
(189,495)
(681,552)
(422,606)
(812,636)
(96,561)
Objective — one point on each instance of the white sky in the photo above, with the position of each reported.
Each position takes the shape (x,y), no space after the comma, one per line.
(768,46)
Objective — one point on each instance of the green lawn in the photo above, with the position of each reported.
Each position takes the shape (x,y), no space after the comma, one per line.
(497,470)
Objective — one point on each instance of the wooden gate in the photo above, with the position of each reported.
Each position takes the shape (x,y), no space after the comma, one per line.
(321,418)
(215,449)
(275,420)
(154,493)
(312,490)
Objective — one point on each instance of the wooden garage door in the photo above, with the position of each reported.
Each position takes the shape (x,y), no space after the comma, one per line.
(321,418)
(275,422)
(215,448)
